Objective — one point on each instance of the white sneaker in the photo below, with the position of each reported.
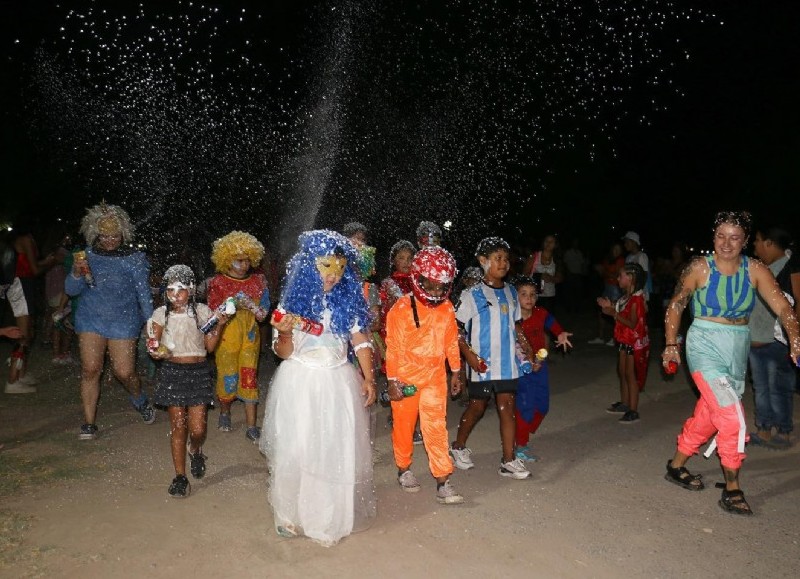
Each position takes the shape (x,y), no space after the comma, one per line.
(514,469)
(408,482)
(447,495)
(611,342)
(28,380)
(597,341)
(461,458)
(19,388)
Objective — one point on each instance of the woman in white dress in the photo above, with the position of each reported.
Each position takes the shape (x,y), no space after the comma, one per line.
(316,424)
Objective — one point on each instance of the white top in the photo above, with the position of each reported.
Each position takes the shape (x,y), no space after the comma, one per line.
(548,287)
(181,334)
(327,350)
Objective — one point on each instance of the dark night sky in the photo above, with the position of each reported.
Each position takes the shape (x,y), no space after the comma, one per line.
(733,140)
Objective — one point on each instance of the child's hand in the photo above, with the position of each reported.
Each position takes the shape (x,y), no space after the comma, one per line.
(394,390)
(455,384)
(604,303)
(563,340)
(80,266)
(368,389)
(160,354)
(285,326)
(473,361)
(12,332)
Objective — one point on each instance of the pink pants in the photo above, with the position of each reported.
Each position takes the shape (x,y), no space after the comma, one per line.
(709,417)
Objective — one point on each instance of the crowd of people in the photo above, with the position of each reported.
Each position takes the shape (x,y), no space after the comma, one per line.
(417,339)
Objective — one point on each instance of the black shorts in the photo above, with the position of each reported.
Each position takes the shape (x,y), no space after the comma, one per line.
(626,348)
(484,390)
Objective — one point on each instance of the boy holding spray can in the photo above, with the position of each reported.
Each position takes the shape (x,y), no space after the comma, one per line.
(533,390)
(240,343)
(421,333)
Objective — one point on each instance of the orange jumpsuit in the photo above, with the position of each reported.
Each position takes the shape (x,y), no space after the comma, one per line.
(415,354)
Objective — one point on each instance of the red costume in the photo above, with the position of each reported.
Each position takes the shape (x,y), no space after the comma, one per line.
(636,337)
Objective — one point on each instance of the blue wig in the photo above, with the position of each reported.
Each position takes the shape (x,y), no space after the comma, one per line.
(302,288)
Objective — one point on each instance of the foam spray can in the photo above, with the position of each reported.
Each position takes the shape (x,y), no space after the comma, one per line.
(228,308)
(300,323)
(85,271)
(525,365)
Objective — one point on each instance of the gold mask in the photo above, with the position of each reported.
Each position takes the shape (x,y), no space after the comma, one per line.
(109,226)
(331,265)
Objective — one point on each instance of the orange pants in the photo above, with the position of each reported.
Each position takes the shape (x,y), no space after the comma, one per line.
(430,404)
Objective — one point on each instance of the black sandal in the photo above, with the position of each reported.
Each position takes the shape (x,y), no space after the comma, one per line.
(683,478)
(734,502)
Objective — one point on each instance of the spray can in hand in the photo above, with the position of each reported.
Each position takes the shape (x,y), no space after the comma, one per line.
(85,271)
(246,302)
(300,323)
(228,308)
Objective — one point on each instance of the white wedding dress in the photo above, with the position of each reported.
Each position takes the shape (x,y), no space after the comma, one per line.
(316,439)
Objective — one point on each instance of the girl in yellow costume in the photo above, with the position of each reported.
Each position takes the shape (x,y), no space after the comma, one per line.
(240,344)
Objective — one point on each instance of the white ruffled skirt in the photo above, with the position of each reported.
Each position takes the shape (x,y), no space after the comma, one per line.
(316,437)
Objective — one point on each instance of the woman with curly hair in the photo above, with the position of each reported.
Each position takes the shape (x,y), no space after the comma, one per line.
(316,425)
(111,281)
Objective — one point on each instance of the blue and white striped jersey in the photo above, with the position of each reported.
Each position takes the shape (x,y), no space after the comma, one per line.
(488,315)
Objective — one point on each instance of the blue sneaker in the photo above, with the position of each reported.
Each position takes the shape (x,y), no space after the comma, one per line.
(524,454)
(224,423)
(144,408)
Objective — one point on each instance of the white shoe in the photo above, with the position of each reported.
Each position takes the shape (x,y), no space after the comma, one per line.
(447,495)
(611,342)
(19,388)
(461,458)
(514,469)
(597,341)
(408,482)
(28,380)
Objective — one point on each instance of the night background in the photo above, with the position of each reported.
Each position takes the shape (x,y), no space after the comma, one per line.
(586,119)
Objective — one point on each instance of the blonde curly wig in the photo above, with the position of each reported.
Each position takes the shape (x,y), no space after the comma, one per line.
(225,249)
(107,219)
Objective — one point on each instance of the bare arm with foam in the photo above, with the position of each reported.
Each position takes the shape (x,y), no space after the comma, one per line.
(692,277)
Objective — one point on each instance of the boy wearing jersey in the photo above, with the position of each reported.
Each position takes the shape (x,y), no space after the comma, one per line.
(489,312)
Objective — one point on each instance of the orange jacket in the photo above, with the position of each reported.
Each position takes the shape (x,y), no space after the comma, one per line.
(416,355)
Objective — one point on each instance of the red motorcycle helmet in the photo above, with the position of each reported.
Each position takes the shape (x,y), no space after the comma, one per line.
(435,264)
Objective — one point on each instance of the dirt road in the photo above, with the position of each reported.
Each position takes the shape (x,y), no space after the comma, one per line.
(596,506)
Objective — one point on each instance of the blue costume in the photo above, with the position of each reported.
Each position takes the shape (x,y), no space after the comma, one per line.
(120,302)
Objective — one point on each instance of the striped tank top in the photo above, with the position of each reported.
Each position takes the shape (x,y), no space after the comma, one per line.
(725,296)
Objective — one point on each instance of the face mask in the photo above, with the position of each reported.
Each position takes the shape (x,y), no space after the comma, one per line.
(331,265)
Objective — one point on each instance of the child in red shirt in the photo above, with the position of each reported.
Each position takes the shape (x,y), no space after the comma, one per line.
(630,332)
(533,390)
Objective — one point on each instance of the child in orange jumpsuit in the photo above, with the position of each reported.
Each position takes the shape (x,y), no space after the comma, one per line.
(421,333)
